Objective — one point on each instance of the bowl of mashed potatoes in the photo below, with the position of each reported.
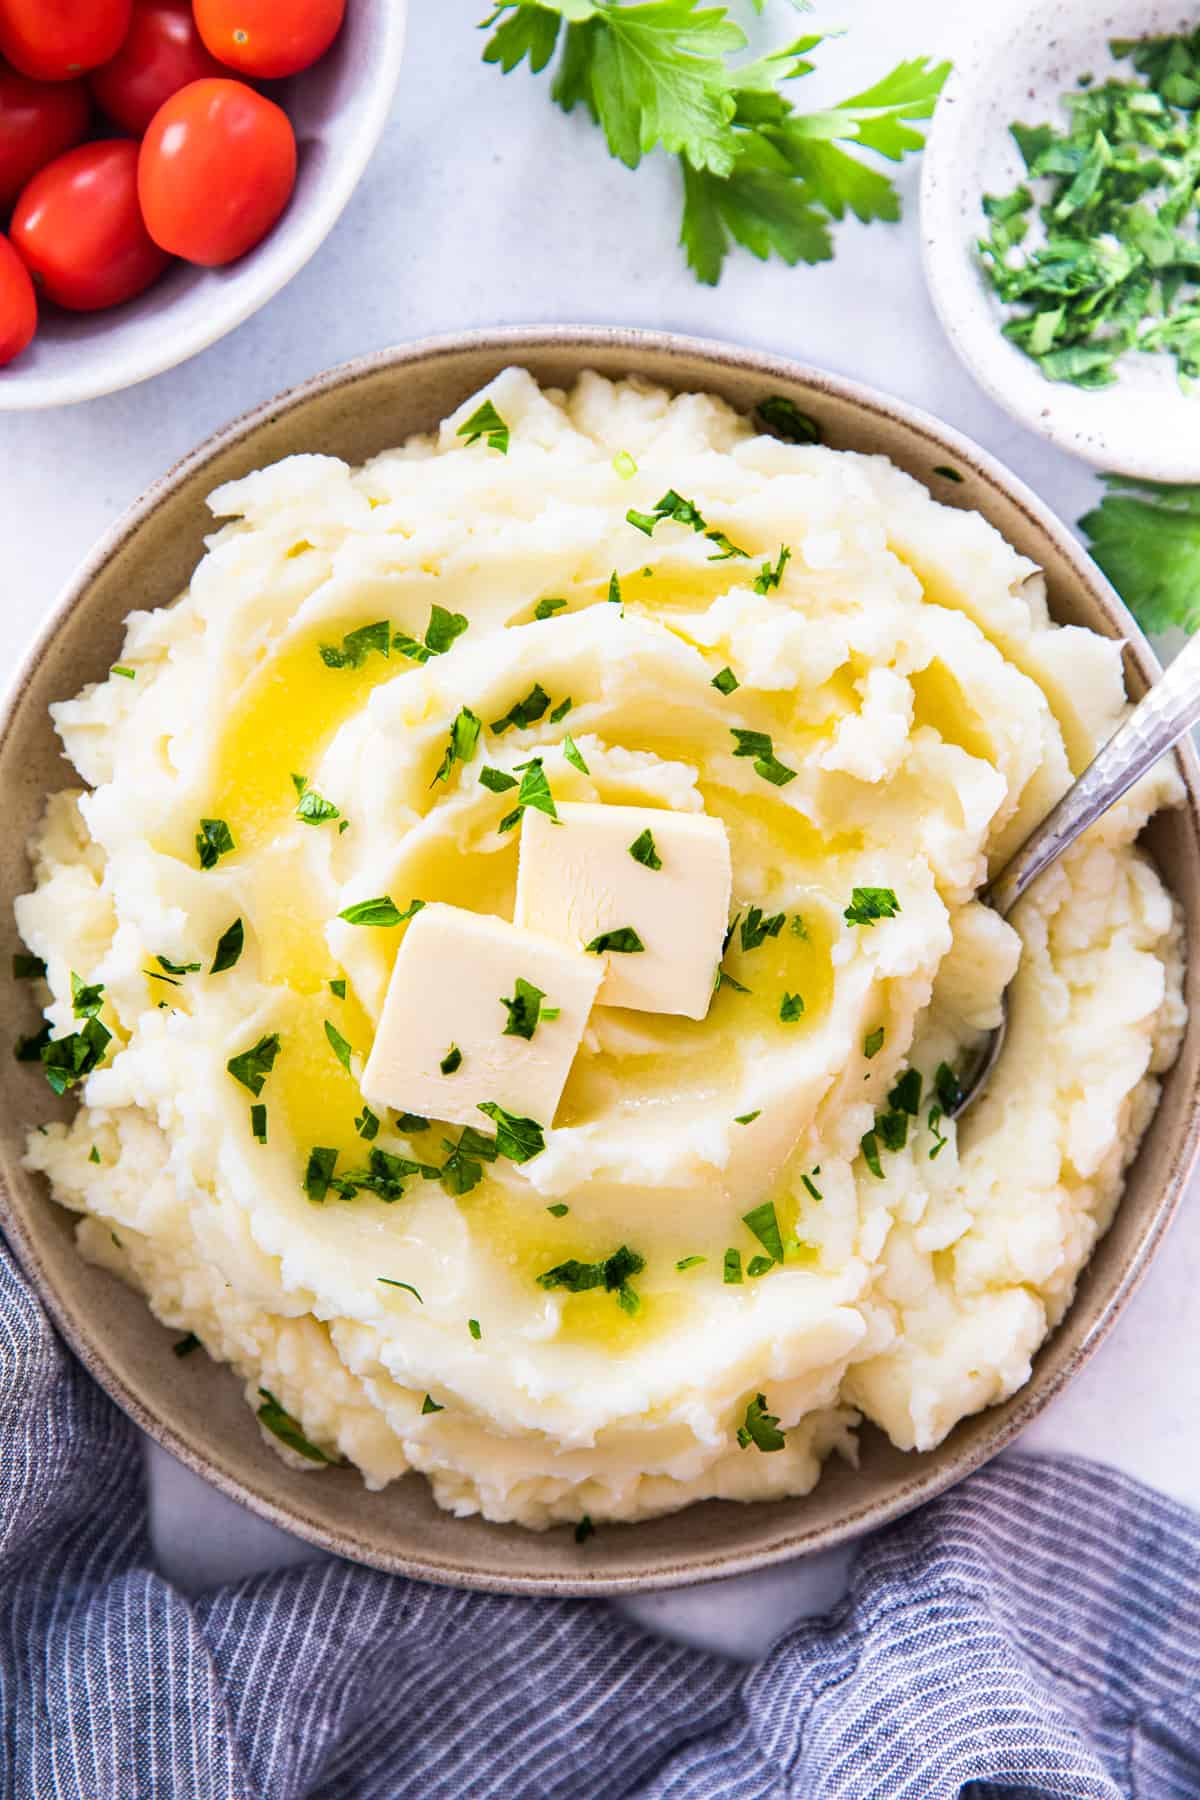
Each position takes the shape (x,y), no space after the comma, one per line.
(493,964)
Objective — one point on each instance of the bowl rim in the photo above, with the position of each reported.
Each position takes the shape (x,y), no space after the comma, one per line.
(1086,424)
(509,344)
(373,105)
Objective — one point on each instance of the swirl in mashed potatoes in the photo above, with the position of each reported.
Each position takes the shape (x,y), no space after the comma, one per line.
(802,1238)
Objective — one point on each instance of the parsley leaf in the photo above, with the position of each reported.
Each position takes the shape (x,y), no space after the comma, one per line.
(338,1045)
(496,780)
(760,746)
(763,1221)
(314,810)
(534,791)
(387,1281)
(229,947)
(624,939)
(356,646)
(771,574)
(644,850)
(867,904)
(755,929)
(382,911)
(613,1275)
(791,1008)
(67,1060)
(451,1063)
(873,1042)
(732,1274)
(546,609)
(366,1123)
(213,840)
(1146,537)
(251,1067)
(685,512)
(287,1429)
(725,682)
(430,1405)
(462,743)
(574,755)
(258,1122)
(172,968)
(784,418)
(442,631)
(689,1262)
(761,1428)
(86,997)
(524,713)
(520,1140)
(485,422)
(524,1009)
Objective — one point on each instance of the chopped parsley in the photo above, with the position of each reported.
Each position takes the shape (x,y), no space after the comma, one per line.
(546,609)
(748,1118)
(624,939)
(287,1429)
(534,791)
(337,987)
(685,512)
(561,710)
(338,1045)
(756,928)
(67,1060)
(27,968)
(173,968)
(366,1123)
(258,1122)
(811,1186)
(873,1042)
(763,1221)
(314,809)
(559,1210)
(732,1274)
(759,1265)
(93,1155)
(644,850)
(185,1345)
(771,574)
(523,713)
(614,591)
(946,472)
(613,1275)
(382,911)
(86,997)
(230,945)
(1114,267)
(251,1067)
(760,746)
(407,1121)
(485,422)
(573,755)
(451,1063)
(906,1095)
(624,465)
(387,1281)
(870,903)
(463,1168)
(689,1262)
(442,632)
(761,1428)
(356,646)
(430,1405)
(584,1529)
(784,418)
(948,1089)
(725,682)
(496,780)
(517,1138)
(1146,537)
(869,1144)
(123,669)
(213,840)
(524,1009)
(461,744)
(475,1329)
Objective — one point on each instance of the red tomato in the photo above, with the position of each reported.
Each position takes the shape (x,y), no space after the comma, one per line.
(216,169)
(38,121)
(79,232)
(162,53)
(18,304)
(269,37)
(51,40)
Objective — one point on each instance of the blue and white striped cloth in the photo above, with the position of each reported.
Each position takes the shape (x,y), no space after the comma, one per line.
(1035,1633)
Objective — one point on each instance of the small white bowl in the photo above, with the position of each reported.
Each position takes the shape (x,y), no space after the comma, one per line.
(338,108)
(1014,63)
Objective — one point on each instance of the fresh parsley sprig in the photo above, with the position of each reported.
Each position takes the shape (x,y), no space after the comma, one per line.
(755,171)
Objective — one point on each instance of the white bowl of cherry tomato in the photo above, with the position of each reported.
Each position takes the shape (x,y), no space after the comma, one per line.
(165,167)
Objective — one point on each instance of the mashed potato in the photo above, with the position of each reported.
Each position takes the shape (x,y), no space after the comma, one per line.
(899,655)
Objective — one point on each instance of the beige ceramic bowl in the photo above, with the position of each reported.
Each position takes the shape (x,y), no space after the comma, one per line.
(195,1408)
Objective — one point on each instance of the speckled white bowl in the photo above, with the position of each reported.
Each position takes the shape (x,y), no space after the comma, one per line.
(339,109)
(1013,62)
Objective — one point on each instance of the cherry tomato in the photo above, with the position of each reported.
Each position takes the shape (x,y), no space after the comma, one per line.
(18,304)
(268,38)
(51,40)
(38,121)
(79,232)
(162,53)
(216,169)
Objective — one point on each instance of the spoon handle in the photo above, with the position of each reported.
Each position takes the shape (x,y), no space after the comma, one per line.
(1158,720)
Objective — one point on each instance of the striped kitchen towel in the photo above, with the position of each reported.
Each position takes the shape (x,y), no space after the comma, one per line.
(1034,1633)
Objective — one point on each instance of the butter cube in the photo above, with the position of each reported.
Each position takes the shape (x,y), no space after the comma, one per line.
(606,869)
(445,1006)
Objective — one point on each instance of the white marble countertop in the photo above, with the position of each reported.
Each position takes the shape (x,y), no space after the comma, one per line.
(485,205)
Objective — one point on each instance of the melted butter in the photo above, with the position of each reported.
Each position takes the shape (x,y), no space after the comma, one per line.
(939,701)
(310,1097)
(284,714)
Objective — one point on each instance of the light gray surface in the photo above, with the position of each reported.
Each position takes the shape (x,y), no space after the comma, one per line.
(485,205)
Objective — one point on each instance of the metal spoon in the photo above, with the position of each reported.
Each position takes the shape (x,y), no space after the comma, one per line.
(1157,722)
